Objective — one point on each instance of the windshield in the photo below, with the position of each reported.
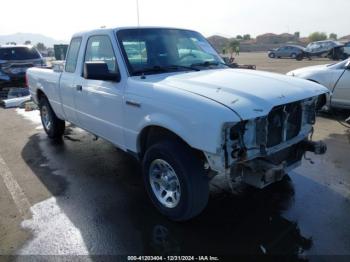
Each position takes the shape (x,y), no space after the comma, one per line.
(152,51)
(18,53)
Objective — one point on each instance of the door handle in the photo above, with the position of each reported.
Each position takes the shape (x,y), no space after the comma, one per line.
(79,88)
(132,103)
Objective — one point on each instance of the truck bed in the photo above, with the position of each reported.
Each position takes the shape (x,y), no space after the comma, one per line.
(38,78)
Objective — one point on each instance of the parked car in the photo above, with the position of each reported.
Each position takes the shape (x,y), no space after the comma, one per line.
(327,48)
(338,53)
(322,46)
(180,110)
(347,48)
(14,61)
(288,51)
(336,77)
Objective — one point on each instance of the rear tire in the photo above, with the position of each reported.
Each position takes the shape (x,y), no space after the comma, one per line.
(172,165)
(272,55)
(53,126)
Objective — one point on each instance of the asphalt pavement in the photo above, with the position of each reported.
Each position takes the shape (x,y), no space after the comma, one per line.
(85,197)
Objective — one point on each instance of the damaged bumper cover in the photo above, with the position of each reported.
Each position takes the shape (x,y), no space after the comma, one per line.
(262,150)
(262,172)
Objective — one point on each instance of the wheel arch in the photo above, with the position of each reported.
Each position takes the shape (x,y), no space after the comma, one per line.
(40,94)
(152,134)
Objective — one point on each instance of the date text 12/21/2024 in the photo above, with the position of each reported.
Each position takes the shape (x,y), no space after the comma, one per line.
(173,258)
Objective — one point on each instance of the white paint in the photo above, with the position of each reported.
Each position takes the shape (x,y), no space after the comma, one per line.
(54,233)
(14,189)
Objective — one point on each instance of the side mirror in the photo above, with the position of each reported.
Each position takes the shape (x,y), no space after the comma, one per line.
(347,65)
(98,70)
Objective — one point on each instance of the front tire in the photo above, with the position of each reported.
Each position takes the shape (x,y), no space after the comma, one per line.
(175,180)
(299,57)
(272,55)
(53,126)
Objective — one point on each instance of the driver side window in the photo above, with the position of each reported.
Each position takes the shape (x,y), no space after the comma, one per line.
(99,48)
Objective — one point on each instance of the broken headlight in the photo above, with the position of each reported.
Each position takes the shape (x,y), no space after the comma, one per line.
(235,140)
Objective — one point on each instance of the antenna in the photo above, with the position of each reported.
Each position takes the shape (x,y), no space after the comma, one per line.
(138,25)
(138,13)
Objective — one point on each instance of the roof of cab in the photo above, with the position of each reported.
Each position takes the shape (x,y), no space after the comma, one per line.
(116,29)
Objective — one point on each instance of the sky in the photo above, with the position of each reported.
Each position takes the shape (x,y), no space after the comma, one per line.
(62,18)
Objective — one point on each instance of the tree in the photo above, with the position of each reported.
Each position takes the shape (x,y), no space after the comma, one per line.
(232,46)
(247,37)
(28,42)
(333,36)
(41,47)
(239,37)
(297,35)
(317,36)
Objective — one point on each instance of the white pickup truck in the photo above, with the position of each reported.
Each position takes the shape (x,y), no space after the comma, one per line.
(165,96)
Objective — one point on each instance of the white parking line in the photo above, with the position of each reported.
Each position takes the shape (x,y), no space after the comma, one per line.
(15,190)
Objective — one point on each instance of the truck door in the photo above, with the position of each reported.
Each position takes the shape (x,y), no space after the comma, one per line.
(99,103)
(67,81)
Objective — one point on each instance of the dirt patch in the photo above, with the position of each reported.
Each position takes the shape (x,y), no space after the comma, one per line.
(282,66)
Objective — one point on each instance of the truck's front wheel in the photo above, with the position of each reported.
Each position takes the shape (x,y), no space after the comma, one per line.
(175,180)
(53,126)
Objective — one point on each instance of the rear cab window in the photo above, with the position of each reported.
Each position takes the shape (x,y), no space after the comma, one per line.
(19,53)
(72,55)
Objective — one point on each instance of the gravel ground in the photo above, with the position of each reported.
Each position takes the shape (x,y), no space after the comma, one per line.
(276,65)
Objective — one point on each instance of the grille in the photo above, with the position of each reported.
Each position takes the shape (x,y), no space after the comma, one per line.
(283,123)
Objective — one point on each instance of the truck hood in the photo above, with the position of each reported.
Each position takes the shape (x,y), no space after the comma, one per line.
(249,93)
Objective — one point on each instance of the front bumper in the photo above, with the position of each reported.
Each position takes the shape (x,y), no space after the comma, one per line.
(262,172)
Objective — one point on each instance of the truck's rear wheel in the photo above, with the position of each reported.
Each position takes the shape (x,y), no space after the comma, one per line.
(175,180)
(53,126)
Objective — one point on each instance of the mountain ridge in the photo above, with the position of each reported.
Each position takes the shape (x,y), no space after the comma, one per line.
(20,38)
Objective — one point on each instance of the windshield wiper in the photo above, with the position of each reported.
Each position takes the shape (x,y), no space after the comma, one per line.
(163,69)
(154,69)
(208,63)
(183,67)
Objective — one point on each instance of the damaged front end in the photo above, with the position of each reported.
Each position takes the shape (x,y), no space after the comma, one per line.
(262,150)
